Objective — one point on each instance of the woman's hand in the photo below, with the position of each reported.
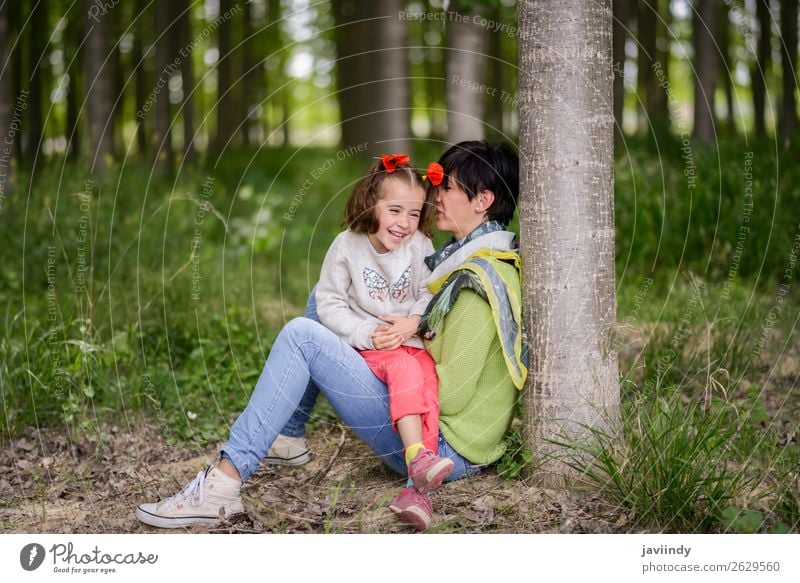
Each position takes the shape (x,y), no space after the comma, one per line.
(391,337)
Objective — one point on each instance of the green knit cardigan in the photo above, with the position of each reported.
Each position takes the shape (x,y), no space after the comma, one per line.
(476,393)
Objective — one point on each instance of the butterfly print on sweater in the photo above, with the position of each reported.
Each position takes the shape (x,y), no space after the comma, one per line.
(379,288)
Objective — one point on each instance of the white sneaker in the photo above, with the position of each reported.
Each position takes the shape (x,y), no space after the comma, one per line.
(208,499)
(288,451)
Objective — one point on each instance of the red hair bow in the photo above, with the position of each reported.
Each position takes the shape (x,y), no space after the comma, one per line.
(392,162)
(435,173)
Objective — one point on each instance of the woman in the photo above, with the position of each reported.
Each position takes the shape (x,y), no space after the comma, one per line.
(473,332)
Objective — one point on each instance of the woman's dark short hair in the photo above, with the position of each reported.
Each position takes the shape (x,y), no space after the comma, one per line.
(480,165)
(359,215)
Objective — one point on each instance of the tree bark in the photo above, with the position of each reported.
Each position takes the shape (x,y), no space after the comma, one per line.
(184,26)
(567,227)
(789,64)
(706,59)
(620,32)
(372,75)
(252,75)
(466,66)
(760,69)
(100,87)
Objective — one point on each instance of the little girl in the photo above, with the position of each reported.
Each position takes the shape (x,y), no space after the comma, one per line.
(372,292)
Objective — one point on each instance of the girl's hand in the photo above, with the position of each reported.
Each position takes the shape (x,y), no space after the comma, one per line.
(391,337)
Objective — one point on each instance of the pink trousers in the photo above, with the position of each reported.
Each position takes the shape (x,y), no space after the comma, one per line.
(410,374)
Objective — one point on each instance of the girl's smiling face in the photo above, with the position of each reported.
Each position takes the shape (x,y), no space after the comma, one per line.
(398,212)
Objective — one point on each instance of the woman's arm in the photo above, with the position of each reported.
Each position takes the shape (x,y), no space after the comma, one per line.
(465,341)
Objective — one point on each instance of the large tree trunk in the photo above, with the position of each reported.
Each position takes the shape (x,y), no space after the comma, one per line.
(99,86)
(466,66)
(39,67)
(620,35)
(758,73)
(567,226)
(706,59)
(789,64)
(372,75)
(184,26)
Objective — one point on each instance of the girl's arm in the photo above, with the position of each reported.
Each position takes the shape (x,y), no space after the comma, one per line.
(333,303)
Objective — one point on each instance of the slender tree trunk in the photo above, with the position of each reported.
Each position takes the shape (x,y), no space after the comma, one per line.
(567,226)
(140,77)
(99,86)
(647,16)
(372,74)
(789,65)
(17,16)
(226,118)
(162,134)
(184,26)
(39,67)
(466,66)
(495,100)
(6,113)
(73,55)
(252,75)
(727,66)
(661,104)
(705,65)
(620,25)
(760,69)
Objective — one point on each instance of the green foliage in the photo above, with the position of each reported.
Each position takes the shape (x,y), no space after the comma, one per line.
(515,458)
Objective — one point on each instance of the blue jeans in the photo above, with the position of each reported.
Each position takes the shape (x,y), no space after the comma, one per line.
(305,352)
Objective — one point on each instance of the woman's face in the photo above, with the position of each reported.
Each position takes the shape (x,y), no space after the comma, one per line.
(455,213)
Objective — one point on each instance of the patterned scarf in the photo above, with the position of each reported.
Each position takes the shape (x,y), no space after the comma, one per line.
(453,245)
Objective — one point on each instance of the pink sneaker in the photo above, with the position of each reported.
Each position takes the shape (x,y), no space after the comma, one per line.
(428,470)
(413,508)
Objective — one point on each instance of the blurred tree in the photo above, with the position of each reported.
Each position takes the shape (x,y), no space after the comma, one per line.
(100,86)
(185,54)
(727,65)
(706,62)
(227,116)
(140,77)
(647,82)
(164,49)
(466,70)
(372,74)
(6,110)
(760,68)
(493,101)
(433,63)
(620,28)
(37,77)
(278,95)
(567,227)
(253,77)
(73,39)
(788,65)
(660,103)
